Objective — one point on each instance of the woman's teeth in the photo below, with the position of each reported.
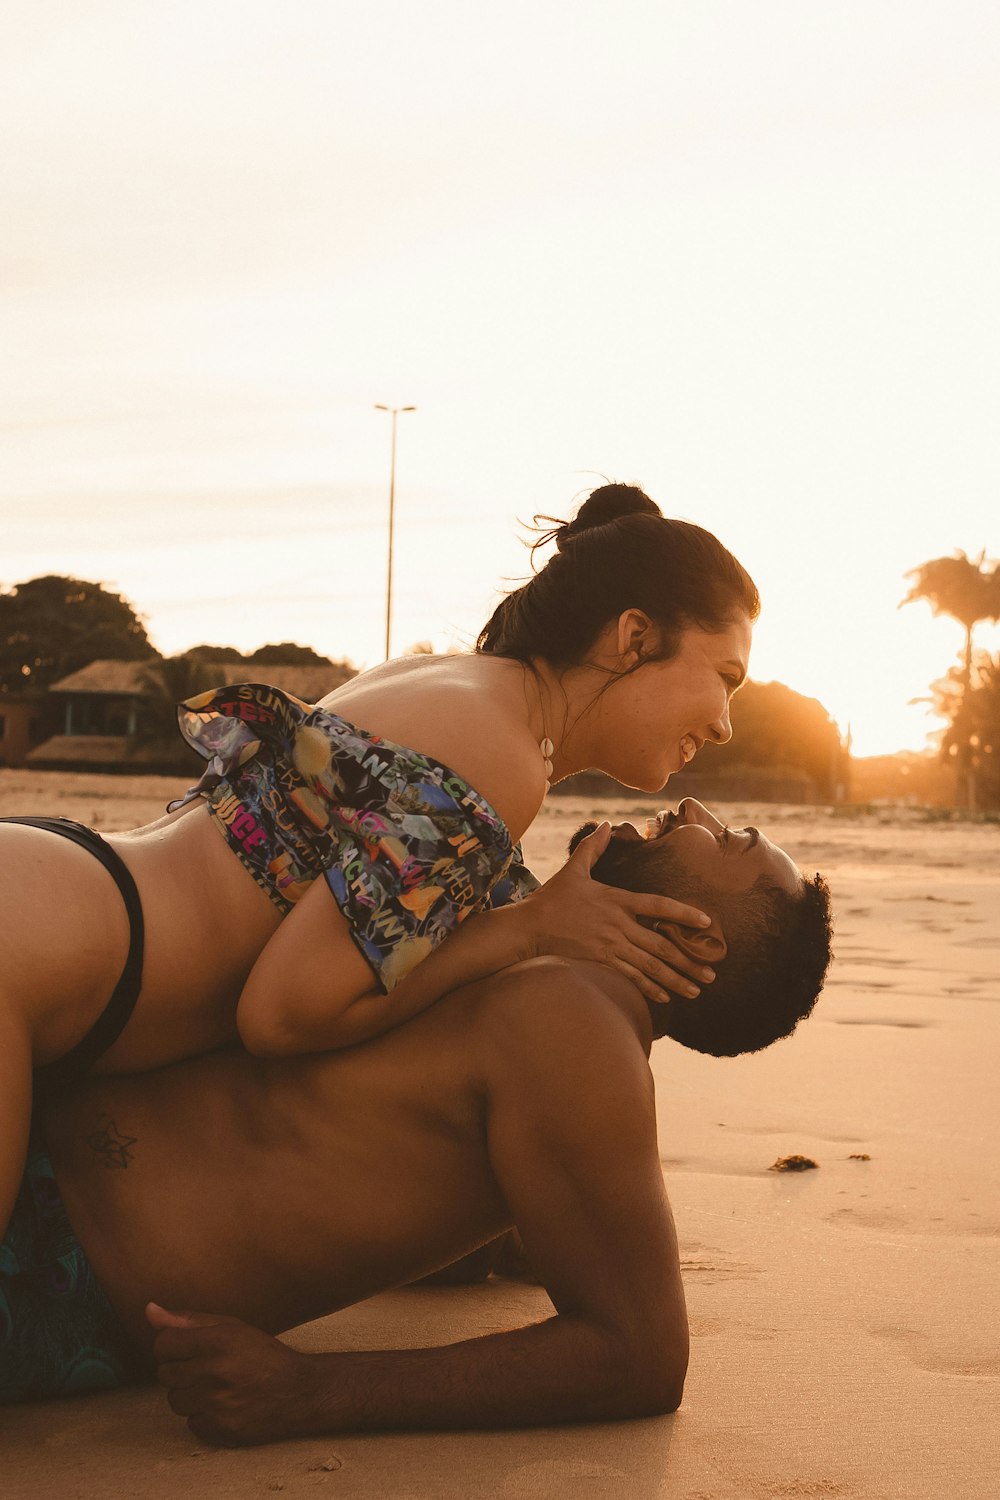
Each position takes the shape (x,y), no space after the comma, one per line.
(689,747)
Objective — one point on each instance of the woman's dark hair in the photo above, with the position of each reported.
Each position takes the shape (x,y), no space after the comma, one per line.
(619,552)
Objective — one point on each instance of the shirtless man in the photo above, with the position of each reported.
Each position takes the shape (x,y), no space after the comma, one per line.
(525,1099)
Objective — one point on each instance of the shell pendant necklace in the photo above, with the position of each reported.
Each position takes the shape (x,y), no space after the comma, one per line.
(547,748)
(545,744)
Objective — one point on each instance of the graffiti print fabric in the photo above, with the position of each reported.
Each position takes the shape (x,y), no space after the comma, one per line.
(407,847)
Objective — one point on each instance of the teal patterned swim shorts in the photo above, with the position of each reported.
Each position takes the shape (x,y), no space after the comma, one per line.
(58,1332)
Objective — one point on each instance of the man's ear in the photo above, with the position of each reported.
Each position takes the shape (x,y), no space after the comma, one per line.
(704,945)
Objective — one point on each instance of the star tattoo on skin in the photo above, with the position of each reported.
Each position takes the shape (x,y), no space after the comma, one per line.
(110,1145)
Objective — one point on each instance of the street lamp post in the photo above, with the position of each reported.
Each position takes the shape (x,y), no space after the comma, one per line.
(394,412)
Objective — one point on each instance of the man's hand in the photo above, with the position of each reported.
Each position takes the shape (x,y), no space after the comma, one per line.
(574,916)
(234,1384)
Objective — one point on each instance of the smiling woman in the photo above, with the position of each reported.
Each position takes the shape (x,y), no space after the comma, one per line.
(684,609)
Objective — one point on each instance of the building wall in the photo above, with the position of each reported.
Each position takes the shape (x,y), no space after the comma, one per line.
(16,723)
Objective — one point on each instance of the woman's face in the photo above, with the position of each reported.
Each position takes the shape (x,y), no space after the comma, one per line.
(662,714)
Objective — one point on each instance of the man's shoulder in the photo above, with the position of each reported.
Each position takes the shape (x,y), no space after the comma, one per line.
(563,1023)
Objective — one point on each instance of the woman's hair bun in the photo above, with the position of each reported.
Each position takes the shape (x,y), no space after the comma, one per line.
(673,571)
(609,503)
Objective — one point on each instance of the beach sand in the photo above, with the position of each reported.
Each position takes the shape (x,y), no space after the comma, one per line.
(845,1324)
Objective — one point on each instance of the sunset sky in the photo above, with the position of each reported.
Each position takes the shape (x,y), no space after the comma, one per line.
(743,254)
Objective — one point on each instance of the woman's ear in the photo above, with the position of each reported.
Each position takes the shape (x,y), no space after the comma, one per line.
(635,634)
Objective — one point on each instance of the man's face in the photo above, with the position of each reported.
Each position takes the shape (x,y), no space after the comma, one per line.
(728,860)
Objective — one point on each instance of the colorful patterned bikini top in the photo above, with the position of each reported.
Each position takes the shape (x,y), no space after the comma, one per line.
(407,847)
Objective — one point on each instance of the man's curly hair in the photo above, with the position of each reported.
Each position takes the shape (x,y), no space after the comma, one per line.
(778,951)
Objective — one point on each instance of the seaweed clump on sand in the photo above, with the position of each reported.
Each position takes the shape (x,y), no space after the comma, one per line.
(793,1164)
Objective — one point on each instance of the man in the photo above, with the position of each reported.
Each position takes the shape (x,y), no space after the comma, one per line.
(771,926)
(275,1192)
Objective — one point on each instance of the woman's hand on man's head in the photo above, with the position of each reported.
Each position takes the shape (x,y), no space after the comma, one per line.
(575,916)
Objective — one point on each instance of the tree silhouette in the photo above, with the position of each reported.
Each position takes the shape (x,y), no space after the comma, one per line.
(170,680)
(967,590)
(289,654)
(974,723)
(777,728)
(52,626)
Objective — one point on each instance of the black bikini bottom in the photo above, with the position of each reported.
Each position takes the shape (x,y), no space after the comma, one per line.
(111,1022)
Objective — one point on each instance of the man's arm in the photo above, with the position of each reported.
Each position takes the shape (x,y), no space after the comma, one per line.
(572,1139)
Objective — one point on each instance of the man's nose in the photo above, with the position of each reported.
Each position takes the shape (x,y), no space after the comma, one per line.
(691,811)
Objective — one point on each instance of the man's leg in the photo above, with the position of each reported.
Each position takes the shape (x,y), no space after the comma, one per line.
(58,1332)
(15,1109)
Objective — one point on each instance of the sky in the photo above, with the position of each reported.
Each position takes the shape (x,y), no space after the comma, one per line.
(744,255)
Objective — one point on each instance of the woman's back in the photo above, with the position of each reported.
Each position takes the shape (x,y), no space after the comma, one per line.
(207,919)
(468,712)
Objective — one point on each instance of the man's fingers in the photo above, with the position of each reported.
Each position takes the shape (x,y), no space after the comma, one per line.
(183,1403)
(173,1344)
(187,1400)
(181,1374)
(162,1317)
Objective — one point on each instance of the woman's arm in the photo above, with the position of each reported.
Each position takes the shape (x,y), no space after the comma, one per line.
(311,989)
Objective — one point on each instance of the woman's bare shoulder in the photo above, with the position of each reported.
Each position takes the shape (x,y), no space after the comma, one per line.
(469,713)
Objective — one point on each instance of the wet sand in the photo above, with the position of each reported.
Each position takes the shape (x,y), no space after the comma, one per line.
(845,1322)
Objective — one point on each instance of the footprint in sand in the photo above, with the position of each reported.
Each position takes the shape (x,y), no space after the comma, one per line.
(704,1327)
(883,1021)
(710,1267)
(866,1218)
(914,1344)
(782,1131)
(800,1489)
(867,956)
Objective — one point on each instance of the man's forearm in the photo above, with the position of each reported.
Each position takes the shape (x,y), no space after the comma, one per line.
(237,1385)
(564,1370)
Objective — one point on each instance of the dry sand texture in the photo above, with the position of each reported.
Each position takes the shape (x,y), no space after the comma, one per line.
(846,1335)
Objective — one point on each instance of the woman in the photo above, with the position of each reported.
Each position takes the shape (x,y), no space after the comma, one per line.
(621,653)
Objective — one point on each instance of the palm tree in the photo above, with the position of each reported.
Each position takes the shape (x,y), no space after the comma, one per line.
(967,590)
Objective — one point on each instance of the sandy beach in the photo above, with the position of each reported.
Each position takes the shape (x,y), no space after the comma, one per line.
(845,1323)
